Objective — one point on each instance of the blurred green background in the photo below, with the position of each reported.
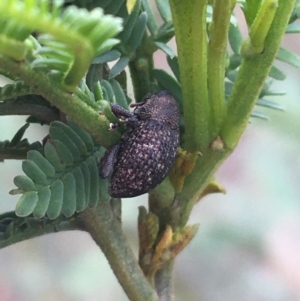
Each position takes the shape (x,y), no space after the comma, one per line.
(248,244)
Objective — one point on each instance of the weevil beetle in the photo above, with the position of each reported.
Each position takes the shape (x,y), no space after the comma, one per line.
(147,149)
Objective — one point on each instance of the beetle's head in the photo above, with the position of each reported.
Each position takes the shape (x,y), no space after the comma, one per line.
(160,107)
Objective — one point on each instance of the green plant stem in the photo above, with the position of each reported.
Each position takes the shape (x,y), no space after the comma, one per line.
(164,282)
(189,19)
(140,70)
(15,49)
(140,78)
(97,125)
(195,183)
(261,24)
(216,61)
(176,213)
(251,77)
(18,231)
(106,231)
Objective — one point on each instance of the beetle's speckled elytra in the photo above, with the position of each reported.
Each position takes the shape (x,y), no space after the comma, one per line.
(148,147)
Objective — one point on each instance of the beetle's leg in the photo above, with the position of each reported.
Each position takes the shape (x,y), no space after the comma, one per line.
(125,117)
(106,164)
(113,126)
(120,111)
(132,121)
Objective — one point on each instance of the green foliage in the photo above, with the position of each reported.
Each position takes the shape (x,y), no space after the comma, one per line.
(135,25)
(63,181)
(101,93)
(70,57)
(60,178)
(73,37)
(14,229)
(18,147)
(72,40)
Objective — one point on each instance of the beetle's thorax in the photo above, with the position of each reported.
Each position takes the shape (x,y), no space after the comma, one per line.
(160,108)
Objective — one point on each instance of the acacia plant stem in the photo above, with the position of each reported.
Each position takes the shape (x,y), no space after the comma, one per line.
(261,25)
(106,231)
(71,105)
(140,70)
(216,61)
(189,18)
(252,75)
(21,229)
(164,282)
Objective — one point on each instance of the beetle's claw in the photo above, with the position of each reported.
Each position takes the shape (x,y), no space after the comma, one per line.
(113,126)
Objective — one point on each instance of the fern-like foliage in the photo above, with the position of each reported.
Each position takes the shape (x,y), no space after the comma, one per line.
(15,229)
(72,37)
(17,147)
(104,90)
(65,179)
(136,24)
